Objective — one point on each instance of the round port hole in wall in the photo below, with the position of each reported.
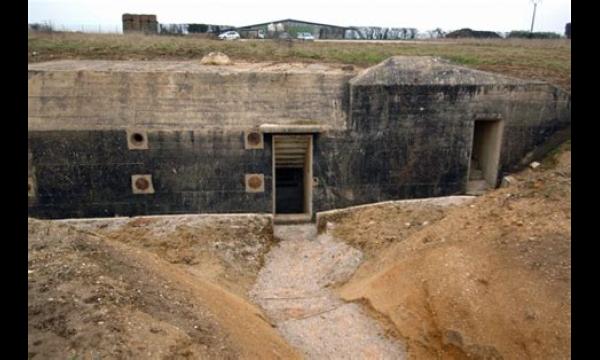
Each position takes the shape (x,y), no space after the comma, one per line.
(255,182)
(137,138)
(142,184)
(253,138)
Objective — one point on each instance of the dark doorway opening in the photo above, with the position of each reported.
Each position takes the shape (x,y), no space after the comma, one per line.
(485,155)
(289,183)
(292,176)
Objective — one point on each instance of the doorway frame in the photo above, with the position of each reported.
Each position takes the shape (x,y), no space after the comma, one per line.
(496,148)
(307,176)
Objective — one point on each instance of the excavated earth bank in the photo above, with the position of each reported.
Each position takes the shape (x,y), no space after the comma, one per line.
(148,288)
(487,280)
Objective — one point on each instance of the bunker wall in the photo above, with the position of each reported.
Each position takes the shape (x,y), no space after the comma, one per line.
(385,142)
(415,141)
(108,100)
(87,173)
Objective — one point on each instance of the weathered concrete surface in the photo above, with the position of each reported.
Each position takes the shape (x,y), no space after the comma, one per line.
(410,130)
(88,173)
(108,95)
(402,129)
(424,70)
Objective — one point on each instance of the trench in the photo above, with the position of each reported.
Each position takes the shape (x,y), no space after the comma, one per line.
(294,290)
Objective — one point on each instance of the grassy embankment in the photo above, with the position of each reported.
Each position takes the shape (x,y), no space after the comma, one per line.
(548,60)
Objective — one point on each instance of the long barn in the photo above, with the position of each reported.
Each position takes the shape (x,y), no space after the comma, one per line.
(293,27)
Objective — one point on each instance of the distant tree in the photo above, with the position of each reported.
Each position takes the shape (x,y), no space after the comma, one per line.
(533,35)
(197,28)
(42,27)
(171,29)
(436,33)
(403,33)
(412,33)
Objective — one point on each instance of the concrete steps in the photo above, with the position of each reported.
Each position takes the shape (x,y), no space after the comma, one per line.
(289,219)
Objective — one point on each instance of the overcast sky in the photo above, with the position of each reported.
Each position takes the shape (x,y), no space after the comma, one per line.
(494,15)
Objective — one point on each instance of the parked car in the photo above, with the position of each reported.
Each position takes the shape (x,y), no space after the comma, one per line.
(229,35)
(305,36)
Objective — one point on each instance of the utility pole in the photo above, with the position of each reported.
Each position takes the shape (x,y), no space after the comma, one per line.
(535,3)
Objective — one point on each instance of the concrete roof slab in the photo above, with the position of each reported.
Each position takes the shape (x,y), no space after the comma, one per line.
(426,70)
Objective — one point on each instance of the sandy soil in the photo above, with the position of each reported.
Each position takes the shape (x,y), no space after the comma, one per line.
(193,66)
(486,280)
(91,297)
(294,290)
(402,218)
(225,250)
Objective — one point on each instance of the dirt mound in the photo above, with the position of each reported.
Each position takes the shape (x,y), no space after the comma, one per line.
(402,219)
(227,250)
(216,58)
(91,297)
(490,279)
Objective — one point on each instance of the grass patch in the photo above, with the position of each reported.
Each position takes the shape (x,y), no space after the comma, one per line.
(547,60)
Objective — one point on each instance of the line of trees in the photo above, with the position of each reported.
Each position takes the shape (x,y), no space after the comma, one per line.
(41,27)
(376,33)
(515,34)
(365,33)
(183,29)
(469,33)
(522,34)
(380,33)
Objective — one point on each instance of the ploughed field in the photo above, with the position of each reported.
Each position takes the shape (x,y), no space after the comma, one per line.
(548,60)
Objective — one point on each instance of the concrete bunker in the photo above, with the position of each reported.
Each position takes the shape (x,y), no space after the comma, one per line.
(406,128)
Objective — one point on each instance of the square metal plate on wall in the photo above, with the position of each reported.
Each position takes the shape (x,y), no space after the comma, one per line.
(142,184)
(253,139)
(255,183)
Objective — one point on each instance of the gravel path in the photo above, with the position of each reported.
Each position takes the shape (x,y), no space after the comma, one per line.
(292,288)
